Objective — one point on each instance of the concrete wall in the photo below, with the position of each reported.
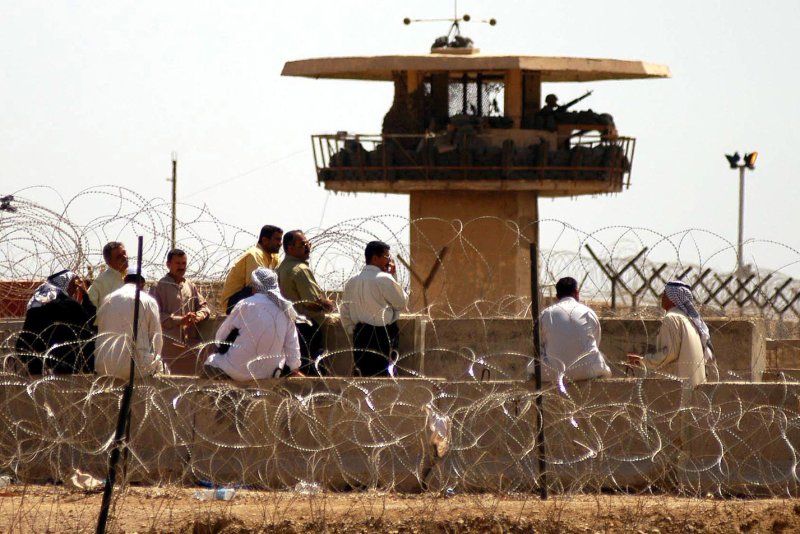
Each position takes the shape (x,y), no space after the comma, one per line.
(620,434)
(739,344)
(499,349)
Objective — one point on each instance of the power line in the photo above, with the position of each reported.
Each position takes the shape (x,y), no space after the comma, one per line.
(243,174)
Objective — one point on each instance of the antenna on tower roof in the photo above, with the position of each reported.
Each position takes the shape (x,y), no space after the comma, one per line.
(453,39)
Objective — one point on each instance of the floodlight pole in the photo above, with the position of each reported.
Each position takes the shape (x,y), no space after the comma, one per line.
(740,249)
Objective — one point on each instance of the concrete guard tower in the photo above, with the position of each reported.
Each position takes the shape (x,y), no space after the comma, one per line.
(467,137)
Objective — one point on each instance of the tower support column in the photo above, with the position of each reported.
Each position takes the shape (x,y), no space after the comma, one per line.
(486,269)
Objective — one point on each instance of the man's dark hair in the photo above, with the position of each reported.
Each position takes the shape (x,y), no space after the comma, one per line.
(109,248)
(289,237)
(267,230)
(134,278)
(375,248)
(175,252)
(566,287)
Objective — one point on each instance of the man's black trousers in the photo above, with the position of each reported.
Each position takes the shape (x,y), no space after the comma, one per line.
(312,344)
(372,347)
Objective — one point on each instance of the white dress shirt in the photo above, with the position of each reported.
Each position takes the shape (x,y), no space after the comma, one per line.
(106,283)
(371,297)
(570,337)
(267,340)
(679,350)
(115,335)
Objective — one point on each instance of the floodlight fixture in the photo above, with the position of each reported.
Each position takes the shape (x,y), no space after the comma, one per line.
(749,162)
(733,160)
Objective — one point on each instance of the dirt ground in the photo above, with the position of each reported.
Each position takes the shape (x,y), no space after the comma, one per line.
(172,509)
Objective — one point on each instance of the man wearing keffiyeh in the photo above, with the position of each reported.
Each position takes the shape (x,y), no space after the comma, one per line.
(258,339)
(58,334)
(683,345)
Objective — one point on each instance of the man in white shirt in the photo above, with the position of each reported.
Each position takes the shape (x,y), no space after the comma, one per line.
(115,332)
(570,338)
(116,258)
(371,304)
(683,344)
(258,338)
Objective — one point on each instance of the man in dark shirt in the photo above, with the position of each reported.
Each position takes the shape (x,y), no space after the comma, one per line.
(58,333)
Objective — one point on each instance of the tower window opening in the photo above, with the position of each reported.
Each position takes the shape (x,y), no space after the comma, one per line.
(477,95)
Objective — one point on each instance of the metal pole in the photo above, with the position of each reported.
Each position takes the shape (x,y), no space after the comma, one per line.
(123,420)
(537,371)
(174,193)
(741,219)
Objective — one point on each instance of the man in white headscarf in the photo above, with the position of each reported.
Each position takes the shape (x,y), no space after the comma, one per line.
(258,339)
(683,345)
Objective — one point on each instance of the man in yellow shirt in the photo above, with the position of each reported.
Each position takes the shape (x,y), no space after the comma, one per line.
(263,254)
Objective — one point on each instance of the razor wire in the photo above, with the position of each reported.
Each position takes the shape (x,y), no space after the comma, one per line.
(415,431)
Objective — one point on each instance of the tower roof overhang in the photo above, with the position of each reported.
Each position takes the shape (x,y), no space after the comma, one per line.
(551,69)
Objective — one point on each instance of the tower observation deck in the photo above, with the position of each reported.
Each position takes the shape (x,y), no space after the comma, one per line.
(467,135)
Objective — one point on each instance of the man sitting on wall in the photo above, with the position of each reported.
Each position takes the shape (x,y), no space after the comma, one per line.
(258,339)
(262,254)
(58,334)
(570,338)
(683,345)
(371,304)
(115,332)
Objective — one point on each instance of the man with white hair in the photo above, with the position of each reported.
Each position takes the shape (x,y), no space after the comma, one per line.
(258,338)
(115,332)
(683,345)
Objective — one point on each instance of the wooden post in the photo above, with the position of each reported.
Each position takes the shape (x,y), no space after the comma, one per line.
(537,371)
(174,194)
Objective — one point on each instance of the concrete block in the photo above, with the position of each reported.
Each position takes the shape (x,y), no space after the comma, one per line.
(742,439)
(599,434)
(739,344)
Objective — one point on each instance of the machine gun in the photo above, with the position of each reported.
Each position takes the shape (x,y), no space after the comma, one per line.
(565,107)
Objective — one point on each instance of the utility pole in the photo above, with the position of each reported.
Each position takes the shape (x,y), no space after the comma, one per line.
(174,193)
(749,162)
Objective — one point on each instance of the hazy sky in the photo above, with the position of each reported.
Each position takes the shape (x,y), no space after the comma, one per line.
(99,93)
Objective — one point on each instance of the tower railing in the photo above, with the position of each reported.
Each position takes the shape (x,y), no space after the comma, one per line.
(390,157)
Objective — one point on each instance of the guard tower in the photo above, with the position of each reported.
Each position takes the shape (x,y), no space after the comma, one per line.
(468,138)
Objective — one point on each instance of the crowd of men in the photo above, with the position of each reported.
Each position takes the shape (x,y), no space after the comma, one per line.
(275,324)
(276,318)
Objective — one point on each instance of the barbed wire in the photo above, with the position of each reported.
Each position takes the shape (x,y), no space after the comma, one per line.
(474,430)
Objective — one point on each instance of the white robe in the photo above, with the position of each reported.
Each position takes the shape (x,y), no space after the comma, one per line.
(267,340)
(679,350)
(115,335)
(570,339)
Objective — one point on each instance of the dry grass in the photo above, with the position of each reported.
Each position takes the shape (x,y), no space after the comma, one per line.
(173,510)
